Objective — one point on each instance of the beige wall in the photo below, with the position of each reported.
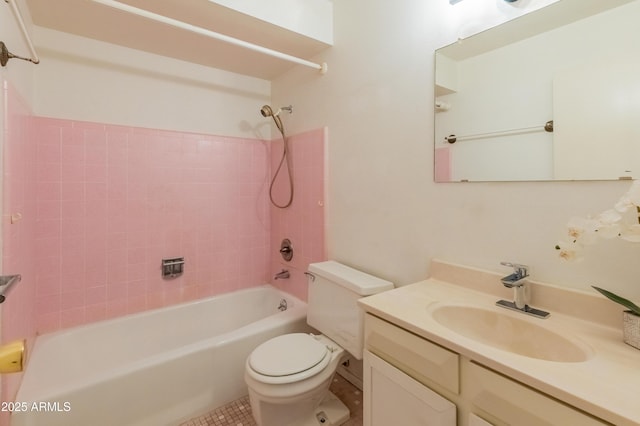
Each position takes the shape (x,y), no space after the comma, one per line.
(83,79)
(385,213)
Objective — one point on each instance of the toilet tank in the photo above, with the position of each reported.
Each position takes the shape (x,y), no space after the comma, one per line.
(334,290)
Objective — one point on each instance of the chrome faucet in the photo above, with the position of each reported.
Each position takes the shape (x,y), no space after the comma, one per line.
(282,275)
(518,282)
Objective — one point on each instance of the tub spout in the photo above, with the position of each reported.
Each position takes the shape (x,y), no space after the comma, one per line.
(283,305)
(282,275)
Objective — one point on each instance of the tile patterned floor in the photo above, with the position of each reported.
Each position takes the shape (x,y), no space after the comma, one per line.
(238,413)
(351,396)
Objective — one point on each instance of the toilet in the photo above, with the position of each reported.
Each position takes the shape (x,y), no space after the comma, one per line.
(289,376)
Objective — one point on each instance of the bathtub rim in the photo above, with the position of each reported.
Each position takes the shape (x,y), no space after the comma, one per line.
(172,307)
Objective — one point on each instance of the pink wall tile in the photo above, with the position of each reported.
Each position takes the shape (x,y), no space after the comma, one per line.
(18,237)
(112,201)
(442,164)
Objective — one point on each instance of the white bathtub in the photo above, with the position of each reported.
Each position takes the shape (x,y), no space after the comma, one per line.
(154,368)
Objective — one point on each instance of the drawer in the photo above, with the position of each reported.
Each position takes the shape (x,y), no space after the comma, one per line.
(516,404)
(415,356)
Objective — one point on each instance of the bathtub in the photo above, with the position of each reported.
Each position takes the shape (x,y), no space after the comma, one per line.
(154,368)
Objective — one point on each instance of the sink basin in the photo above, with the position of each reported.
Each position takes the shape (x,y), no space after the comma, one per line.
(505,332)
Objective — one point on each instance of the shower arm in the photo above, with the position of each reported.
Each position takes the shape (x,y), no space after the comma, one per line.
(34,55)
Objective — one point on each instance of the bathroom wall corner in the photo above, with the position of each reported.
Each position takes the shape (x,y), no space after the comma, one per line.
(304,221)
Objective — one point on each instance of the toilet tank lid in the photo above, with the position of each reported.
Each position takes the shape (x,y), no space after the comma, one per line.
(357,281)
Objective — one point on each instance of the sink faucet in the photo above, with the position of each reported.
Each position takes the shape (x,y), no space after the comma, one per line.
(518,282)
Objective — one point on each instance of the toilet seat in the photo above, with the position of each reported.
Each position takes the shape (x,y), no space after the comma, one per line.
(288,358)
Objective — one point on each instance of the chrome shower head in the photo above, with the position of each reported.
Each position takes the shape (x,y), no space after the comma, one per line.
(266,111)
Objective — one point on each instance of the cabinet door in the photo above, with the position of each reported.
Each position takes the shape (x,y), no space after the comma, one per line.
(393,398)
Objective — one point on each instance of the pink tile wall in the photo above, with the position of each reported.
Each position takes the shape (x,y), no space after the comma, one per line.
(442,164)
(303,221)
(113,201)
(18,236)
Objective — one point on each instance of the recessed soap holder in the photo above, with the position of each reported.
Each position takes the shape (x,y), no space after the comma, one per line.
(172,268)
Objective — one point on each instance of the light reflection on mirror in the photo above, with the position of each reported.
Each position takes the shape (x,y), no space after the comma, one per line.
(574,62)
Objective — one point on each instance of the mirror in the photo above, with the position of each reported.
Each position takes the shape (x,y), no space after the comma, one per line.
(551,95)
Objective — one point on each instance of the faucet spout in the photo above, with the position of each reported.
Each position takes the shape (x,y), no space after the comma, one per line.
(514,280)
(282,275)
(517,281)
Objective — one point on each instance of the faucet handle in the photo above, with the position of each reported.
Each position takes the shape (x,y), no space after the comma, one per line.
(520,270)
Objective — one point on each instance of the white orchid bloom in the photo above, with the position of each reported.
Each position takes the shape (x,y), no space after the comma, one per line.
(631,199)
(631,233)
(609,224)
(583,230)
(569,251)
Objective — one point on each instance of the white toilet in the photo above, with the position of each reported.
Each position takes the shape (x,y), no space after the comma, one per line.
(289,376)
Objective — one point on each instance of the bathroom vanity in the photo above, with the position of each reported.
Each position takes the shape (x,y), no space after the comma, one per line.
(439,352)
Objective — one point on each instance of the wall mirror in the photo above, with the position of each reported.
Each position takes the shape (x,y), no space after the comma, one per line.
(551,95)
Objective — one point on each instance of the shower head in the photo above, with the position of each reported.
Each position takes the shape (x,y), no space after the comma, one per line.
(266,111)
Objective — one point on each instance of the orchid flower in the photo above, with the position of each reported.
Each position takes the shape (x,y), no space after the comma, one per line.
(608,224)
(569,251)
(631,199)
(583,230)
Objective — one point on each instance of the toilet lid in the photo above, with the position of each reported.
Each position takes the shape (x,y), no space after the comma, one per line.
(287,354)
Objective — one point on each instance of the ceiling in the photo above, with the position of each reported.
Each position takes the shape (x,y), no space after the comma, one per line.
(89,19)
(553,16)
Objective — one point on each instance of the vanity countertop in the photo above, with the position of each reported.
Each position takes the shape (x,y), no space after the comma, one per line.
(606,385)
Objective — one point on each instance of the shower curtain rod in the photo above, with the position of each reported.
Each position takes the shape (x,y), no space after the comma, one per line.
(16,12)
(548,127)
(211,34)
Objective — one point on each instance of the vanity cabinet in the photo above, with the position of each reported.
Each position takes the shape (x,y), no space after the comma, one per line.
(410,380)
